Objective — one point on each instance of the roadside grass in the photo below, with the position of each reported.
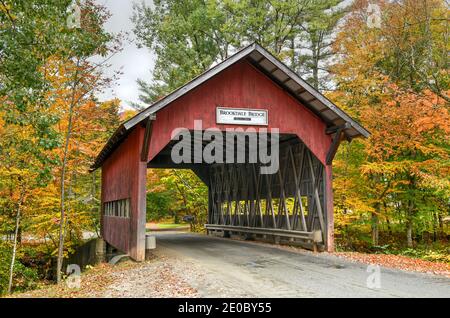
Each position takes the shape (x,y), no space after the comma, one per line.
(166,226)
(170,225)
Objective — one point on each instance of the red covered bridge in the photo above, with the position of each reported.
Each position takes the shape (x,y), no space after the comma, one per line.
(256,91)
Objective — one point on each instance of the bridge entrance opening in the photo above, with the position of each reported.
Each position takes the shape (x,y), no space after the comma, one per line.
(254,132)
(288,204)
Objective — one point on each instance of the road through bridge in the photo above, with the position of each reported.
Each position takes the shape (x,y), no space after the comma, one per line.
(217,267)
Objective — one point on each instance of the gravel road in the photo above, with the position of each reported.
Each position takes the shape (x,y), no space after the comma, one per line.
(205,266)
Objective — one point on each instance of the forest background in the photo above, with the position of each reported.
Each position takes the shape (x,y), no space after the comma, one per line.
(383,62)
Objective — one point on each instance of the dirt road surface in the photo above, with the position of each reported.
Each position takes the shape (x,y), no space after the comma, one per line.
(204,266)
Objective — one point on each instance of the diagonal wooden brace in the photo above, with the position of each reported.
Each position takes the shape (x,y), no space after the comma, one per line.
(147,137)
(337,138)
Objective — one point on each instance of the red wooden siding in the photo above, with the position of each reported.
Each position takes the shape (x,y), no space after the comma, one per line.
(123,176)
(241,86)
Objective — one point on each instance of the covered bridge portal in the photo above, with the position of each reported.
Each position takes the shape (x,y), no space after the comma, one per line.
(258,93)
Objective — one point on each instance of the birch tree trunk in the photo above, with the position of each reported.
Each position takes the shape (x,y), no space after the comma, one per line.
(13,258)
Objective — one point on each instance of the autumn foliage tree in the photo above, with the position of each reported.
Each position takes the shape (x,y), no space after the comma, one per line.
(176,193)
(408,151)
(395,80)
(390,189)
(50,118)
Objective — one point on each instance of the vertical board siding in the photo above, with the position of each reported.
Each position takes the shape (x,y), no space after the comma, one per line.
(123,176)
(241,86)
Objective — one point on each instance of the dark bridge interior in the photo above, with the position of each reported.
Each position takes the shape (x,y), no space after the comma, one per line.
(287,204)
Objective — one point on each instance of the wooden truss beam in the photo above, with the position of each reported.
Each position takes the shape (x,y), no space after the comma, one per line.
(337,137)
(147,137)
(244,201)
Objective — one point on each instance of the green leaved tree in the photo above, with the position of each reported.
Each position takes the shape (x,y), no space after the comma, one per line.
(188,37)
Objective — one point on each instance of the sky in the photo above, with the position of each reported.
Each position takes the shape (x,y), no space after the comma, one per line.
(135,63)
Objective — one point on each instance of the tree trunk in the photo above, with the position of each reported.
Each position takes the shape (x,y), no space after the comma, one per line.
(435,225)
(375,232)
(315,69)
(388,222)
(409,225)
(63,176)
(293,54)
(409,241)
(62,190)
(13,258)
(441,225)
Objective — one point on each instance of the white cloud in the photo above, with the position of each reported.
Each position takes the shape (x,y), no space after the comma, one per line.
(133,62)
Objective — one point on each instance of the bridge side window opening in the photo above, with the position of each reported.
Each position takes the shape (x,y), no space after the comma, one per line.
(117,208)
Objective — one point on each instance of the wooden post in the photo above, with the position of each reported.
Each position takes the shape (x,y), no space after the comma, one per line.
(138,217)
(329,208)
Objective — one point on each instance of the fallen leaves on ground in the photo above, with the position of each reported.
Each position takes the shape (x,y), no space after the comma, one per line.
(126,279)
(93,282)
(157,278)
(398,262)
